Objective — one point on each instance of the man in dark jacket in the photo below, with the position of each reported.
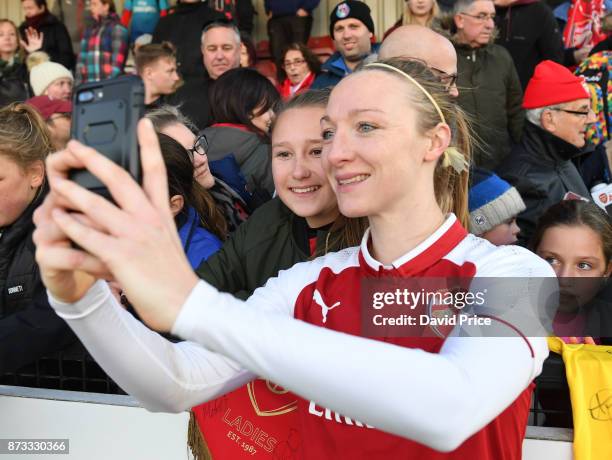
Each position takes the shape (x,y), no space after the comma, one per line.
(220,50)
(183,28)
(42,31)
(289,21)
(489,88)
(530,33)
(352,28)
(540,167)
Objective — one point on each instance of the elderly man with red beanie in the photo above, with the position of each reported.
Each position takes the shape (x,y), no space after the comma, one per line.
(558,110)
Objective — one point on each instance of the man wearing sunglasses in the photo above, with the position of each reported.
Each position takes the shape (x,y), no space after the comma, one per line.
(489,87)
(423,44)
(540,167)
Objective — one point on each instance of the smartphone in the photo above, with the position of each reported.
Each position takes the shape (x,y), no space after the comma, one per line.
(105,115)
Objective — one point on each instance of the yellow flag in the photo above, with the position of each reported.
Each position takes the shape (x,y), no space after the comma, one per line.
(589,376)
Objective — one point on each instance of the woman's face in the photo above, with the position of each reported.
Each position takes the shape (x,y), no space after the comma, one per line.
(186,138)
(295,66)
(574,252)
(375,158)
(420,7)
(262,121)
(60,89)
(17,188)
(297,169)
(98,9)
(8,39)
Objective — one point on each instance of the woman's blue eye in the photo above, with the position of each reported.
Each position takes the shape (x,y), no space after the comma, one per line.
(366,127)
(327,134)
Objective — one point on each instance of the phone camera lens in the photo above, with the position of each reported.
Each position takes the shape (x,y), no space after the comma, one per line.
(86,96)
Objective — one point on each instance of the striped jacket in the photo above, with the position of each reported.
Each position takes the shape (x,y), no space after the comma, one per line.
(104,49)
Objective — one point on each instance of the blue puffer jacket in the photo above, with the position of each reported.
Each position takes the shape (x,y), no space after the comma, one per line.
(289,7)
(198,243)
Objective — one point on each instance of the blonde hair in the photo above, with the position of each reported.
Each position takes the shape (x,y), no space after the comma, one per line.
(450,186)
(19,52)
(409,18)
(24,137)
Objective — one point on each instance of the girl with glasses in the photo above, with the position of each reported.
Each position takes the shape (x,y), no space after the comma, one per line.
(389,155)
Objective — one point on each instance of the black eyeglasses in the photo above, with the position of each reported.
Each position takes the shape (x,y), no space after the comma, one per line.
(200,146)
(447,79)
(574,112)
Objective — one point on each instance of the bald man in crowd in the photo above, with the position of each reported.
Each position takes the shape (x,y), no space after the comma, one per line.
(422,43)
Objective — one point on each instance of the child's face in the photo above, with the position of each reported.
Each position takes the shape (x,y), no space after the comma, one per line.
(502,234)
(575,252)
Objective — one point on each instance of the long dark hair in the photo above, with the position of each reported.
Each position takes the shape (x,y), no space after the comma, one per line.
(237,93)
(181,182)
(572,213)
(313,62)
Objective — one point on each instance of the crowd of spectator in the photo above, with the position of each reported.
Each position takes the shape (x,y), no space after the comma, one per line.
(242,148)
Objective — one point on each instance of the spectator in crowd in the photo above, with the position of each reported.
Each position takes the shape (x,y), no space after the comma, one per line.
(170,121)
(248,53)
(13,71)
(303,221)
(141,16)
(220,44)
(243,103)
(183,28)
(417,12)
(289,21)
(530,33)
(104,45)
(29,328)
(494,205)
(575,238)
(57,114)
(200,225)
(352,29)
(299,69)
(422,43)
(51,79)
(386,155)
(42,31)
(540,167)
(156,65)
(489,87)
(74,16)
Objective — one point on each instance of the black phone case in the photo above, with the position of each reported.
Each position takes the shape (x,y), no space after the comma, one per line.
(108,123)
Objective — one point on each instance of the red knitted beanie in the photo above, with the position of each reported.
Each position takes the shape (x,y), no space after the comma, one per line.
(552,84)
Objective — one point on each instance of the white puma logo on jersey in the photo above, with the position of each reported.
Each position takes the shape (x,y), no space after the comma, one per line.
(316,296)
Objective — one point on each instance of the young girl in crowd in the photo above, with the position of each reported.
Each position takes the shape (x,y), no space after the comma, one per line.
(28,326)
(14,84)
(168,120)
(575,238)
(303,221)
(242,103)
(299,69)
(389,156)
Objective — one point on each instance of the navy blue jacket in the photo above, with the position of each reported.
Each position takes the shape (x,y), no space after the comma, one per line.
(289,7)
